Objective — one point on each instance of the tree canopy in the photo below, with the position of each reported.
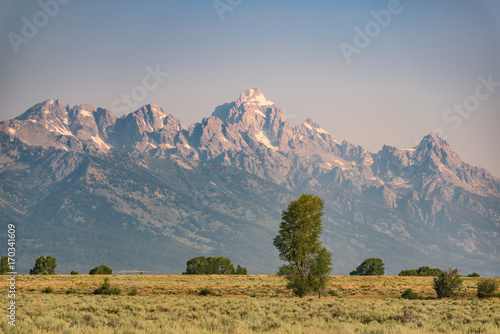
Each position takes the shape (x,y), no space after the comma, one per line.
(44,266)
(448,283)
(212,266)
(422,271)
(298,243)
(4,265)
(241,270)
(101,270)
(372,266)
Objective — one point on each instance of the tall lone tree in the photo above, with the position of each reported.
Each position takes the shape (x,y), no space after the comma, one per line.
(298,243)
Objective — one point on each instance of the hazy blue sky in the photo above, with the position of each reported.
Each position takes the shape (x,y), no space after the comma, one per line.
(395,90)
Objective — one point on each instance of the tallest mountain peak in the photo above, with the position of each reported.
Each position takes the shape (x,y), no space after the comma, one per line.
(253,96)
(433,137)
(251,92)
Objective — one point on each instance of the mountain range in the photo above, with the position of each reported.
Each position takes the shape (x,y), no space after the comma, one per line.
(144,192)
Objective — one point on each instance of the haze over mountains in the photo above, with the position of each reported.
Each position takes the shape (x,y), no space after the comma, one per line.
(144,192)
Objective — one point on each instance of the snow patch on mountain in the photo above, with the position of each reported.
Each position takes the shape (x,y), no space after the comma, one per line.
(85,113)
(254,96)
(52,127)
(260,100)
(320,130)
(258,112)
(165,146)
(100,142)
(261,138)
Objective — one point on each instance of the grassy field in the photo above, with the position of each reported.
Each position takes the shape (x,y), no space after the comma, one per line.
(171,304)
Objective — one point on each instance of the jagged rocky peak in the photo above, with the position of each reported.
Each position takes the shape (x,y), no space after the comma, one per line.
(434,139)
(437,148)
(251,110)
(250,105)
(85,109)
(148,118)
(153,109)
(309,135)
(430,144)
(44,110)
(158,118)
(311,122)
(82,117)
(250,120)
(253,97)
(310,126)
(104,118)
(150,110)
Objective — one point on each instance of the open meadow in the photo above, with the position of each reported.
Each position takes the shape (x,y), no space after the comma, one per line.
(243,304)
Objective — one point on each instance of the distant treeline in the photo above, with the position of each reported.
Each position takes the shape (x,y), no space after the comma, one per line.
(213,266)
(422,271)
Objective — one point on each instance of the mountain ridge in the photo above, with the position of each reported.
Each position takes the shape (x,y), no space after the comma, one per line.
(421,198)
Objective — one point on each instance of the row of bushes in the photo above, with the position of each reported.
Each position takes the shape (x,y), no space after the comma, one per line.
(223,266)
(47,266)
(104,289)
(195,266)
(212,266)
(375,267)
(100,270)
(448,283)
(427,271)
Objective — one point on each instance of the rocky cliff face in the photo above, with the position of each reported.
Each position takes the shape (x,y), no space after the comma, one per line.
(423,198)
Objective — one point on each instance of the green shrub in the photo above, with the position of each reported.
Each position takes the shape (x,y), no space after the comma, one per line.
(422,271)
(410,294)
(212,266)
(70,291)
(241,270)
(74,272)
(370,267)
(48,290)
(105,289)
(101,270)
(448,283)
(133,292)
(207,292)
(474,274)
(44,266)
(4,265)
(487,288)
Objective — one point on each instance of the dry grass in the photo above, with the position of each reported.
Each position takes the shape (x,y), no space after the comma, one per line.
(236,285)
(170,304)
